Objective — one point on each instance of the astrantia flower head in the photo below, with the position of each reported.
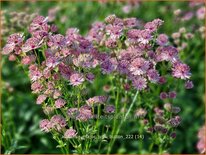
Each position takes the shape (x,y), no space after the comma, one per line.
(152,26)
(96,99)
(41,99)
(60,103)
(109,109)
(28,60)
(153,75)
(162,39)
(76,79)
(140,113)
(45,125)
(140,83)
(163,95)
(38,23)
(139,66)
(181,71)
(85,113)
(70,133)
(31,44)
(189,85)
(57,41)
(13,42)
(58,122)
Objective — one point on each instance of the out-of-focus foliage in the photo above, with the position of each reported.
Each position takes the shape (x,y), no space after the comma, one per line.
(20,114)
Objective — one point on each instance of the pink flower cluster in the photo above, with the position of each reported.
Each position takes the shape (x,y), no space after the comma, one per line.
(60,63)
(132,52)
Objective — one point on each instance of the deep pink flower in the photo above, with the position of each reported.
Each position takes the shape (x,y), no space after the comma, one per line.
(123,66)
(76,79)
(187,16)
(71,32)
(174,122)
(167,53)
(113,31)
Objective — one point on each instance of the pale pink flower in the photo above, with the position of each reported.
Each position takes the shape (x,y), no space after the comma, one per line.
(45,125)
(162,39)
(60,103)
(200,13)
(181,71)
(139,83)
(31,44)
(58,122)
(70,133)
(96,99)
(139,66)
(41,99)
(12,57)
(76,79)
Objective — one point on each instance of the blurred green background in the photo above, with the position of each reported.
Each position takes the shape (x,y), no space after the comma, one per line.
(20,114)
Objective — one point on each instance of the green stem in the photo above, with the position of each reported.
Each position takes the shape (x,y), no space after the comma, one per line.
(125,117)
